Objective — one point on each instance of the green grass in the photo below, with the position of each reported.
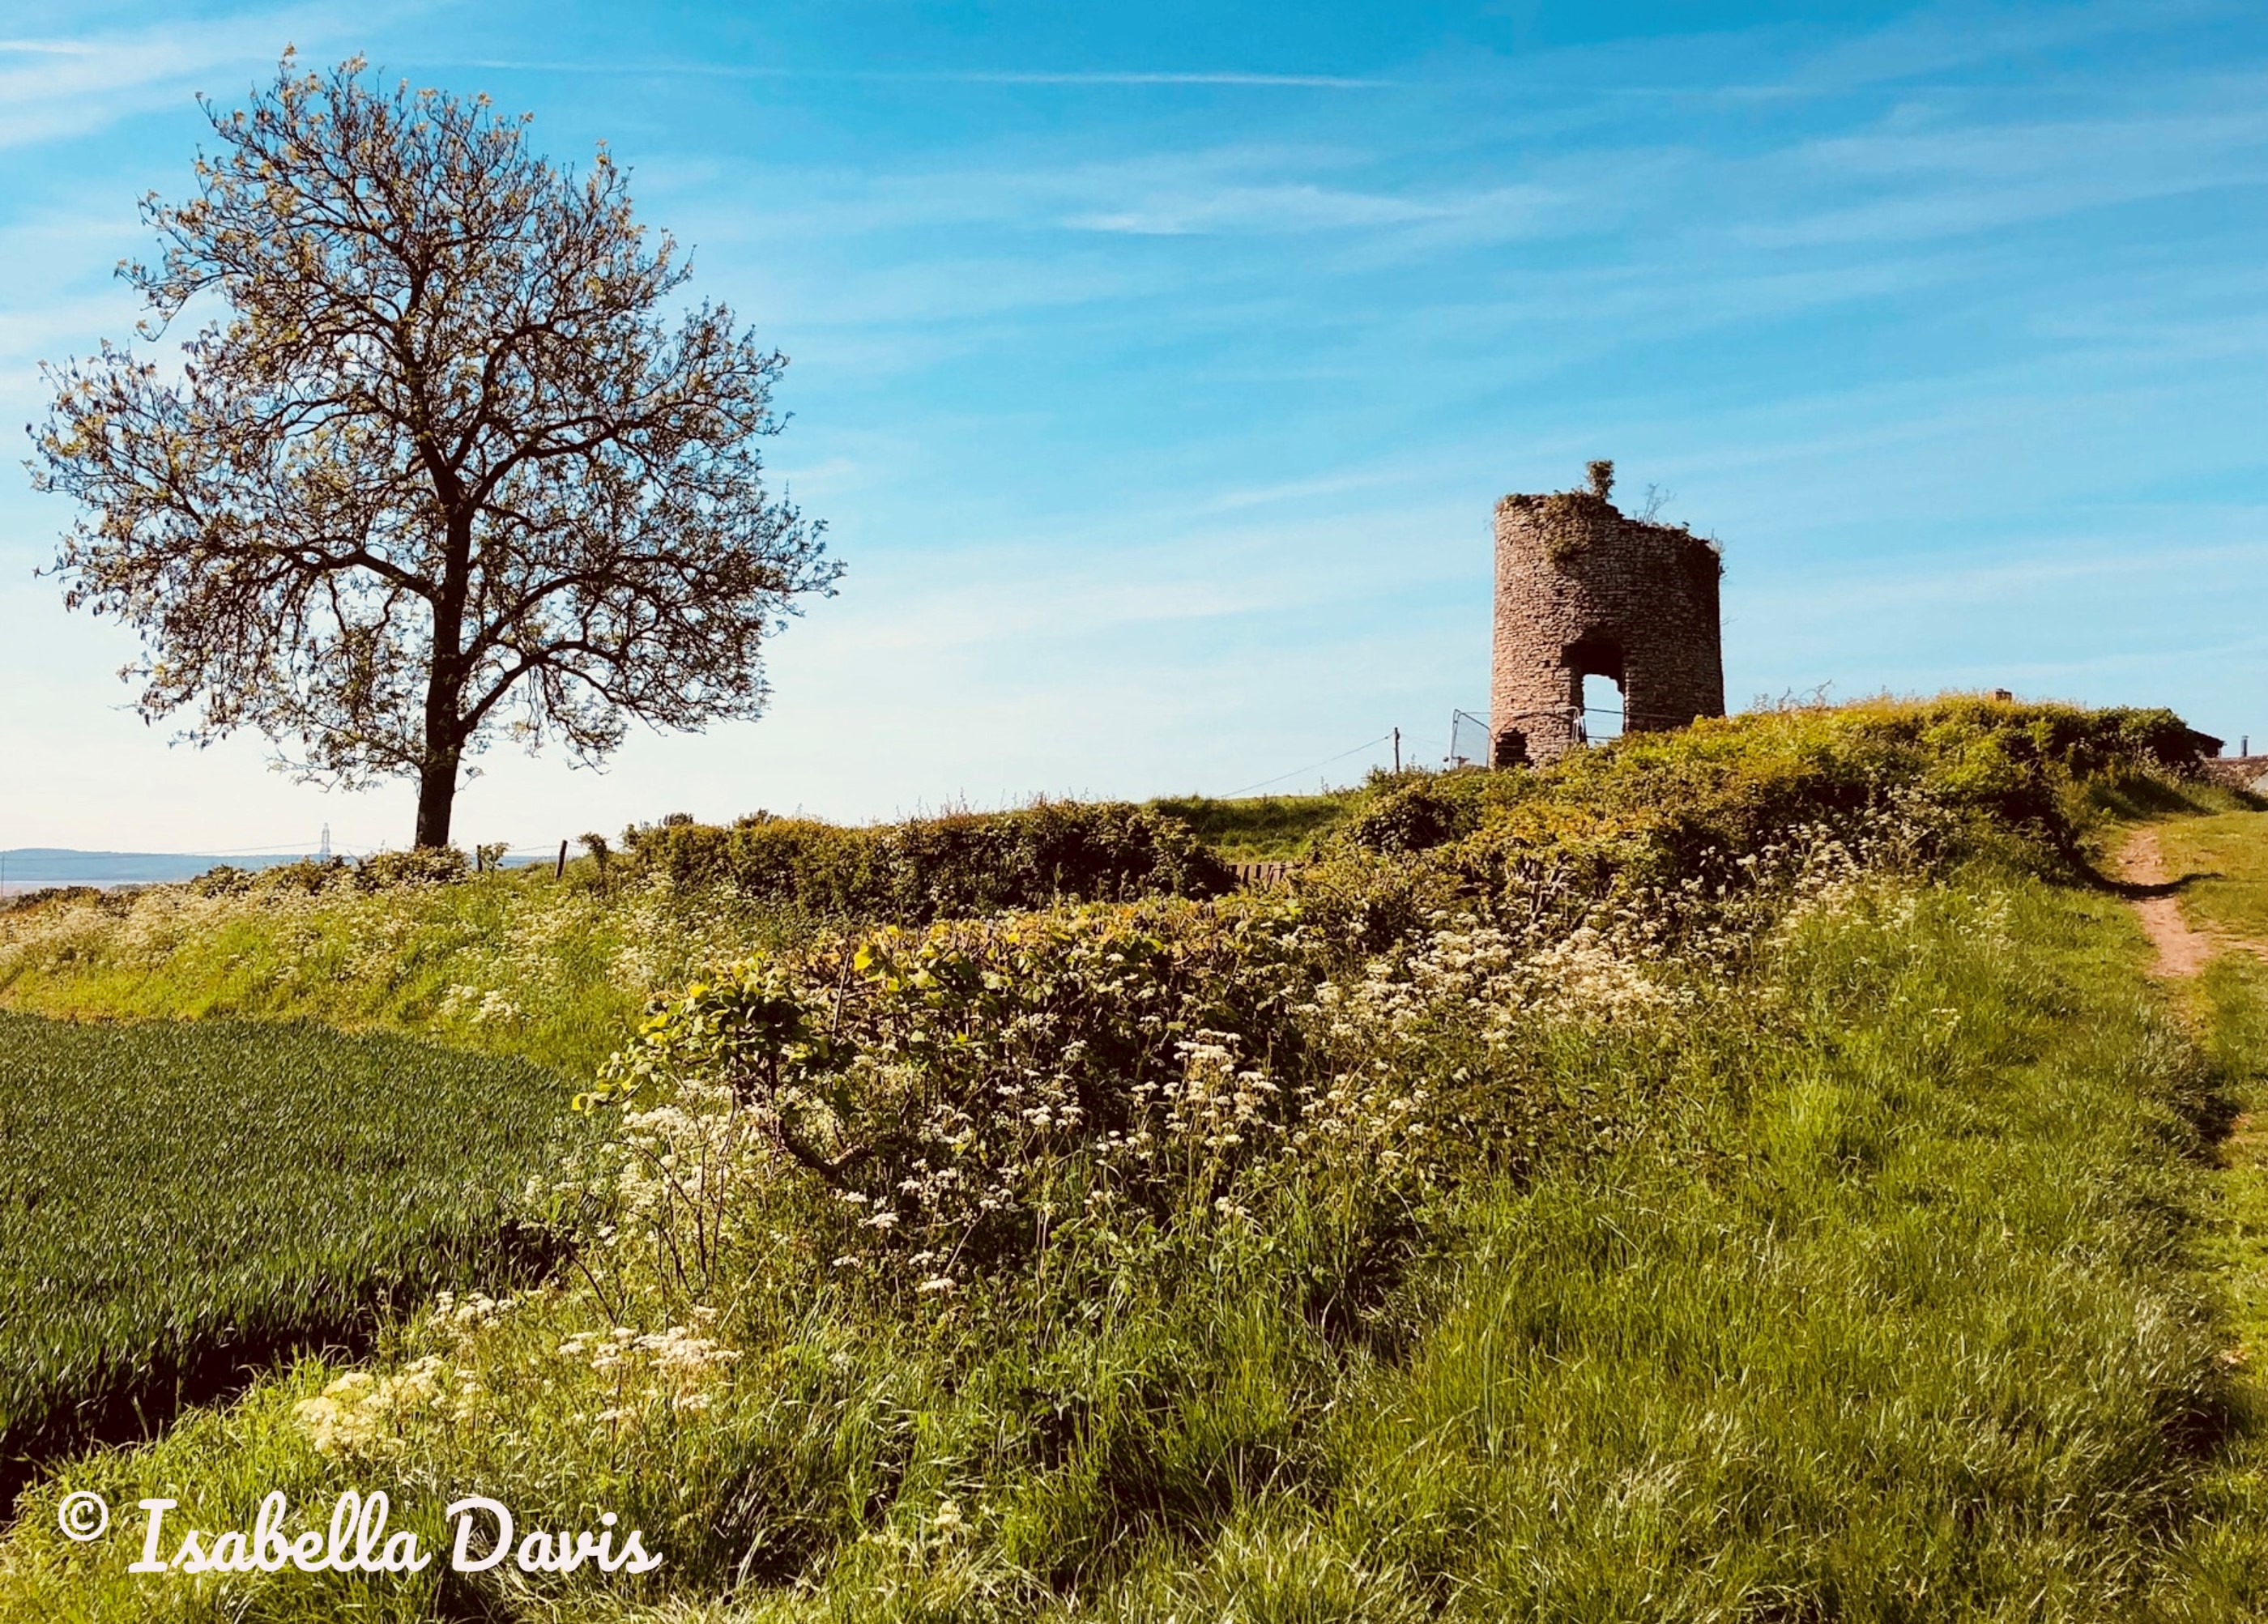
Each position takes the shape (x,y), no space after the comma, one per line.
(1875,1298)
(1922,1347)
(2230,854)
(182,1201)
(2229,1007)
(1820,1247)
(1261,827)
(512,965)
(2229,1548)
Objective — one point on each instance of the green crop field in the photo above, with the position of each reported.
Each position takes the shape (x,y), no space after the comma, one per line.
(183,1201)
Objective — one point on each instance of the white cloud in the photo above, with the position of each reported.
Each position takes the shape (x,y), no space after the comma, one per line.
(1135,79)
(68,87)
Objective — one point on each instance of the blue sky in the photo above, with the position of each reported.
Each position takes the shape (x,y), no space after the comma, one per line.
(1157,367)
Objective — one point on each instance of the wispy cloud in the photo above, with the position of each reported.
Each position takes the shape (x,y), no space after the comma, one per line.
(73,86)
(1132,78)
(1961,176)
(1932,582)
(1938,40)
(1292,207)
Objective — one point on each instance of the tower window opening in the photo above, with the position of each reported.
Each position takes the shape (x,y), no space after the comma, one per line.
(1599,707)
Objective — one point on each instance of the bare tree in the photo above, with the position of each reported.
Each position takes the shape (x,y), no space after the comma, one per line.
(441,468)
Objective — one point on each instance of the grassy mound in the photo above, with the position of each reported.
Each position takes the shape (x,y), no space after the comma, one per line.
(182,1203)
(512,965)
(1724,1175)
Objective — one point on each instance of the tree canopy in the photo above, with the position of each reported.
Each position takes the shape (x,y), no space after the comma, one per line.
(445,464)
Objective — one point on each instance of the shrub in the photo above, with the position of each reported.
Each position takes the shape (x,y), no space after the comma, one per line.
(1261,827)
(223,879)
(1659,809)
(950,1096)
(50,897)
(307,875)
(939,1106)
(1419,811)
(963,864)
(384,871)
(424,865)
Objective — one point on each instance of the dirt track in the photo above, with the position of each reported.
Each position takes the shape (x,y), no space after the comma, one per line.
(2182,951)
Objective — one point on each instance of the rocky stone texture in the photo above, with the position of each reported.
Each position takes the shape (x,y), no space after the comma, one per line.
(2239,772)
(1583,591)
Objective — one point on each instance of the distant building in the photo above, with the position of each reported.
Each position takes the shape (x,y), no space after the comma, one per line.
(1581,592)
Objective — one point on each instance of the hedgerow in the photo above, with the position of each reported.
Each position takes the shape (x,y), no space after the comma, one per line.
(930,868)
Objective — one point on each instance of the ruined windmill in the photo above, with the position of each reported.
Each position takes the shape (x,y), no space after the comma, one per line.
(1582,591)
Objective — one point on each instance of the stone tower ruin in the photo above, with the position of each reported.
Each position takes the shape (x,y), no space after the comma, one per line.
(1583,591)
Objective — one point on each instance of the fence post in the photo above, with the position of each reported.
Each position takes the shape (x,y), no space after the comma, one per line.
(559,871)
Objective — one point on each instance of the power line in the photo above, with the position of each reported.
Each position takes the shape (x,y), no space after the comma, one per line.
(278,848)
(1366,745)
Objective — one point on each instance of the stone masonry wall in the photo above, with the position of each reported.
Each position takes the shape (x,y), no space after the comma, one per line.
(1582,591)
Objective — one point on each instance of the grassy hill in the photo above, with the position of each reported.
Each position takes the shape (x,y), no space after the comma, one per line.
(1741,1173)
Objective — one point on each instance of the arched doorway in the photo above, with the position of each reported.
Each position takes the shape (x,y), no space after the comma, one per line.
(1599,709)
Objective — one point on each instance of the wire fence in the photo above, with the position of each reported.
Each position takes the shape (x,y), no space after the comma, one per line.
(1471,743)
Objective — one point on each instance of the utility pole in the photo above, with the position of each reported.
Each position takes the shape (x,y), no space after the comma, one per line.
(1397,749)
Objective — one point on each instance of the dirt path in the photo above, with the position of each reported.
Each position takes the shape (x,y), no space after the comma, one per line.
(2182,951)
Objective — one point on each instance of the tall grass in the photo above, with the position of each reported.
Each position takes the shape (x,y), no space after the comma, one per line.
(2224,858)
(1865,1298)
(1894,1326)
(2227,856)
(1261,827)
(1671,1185)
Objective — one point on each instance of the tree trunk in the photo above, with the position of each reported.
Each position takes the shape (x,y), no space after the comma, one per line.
(437,798)
(445,733)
